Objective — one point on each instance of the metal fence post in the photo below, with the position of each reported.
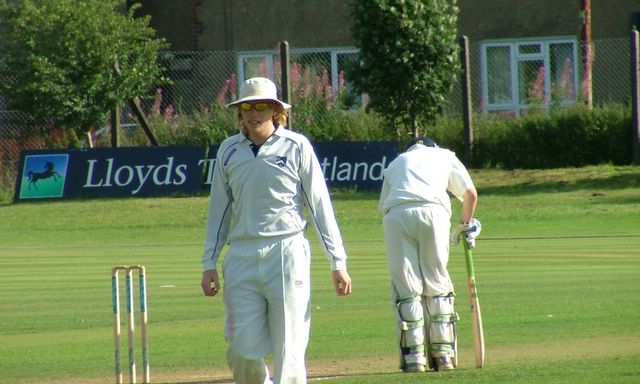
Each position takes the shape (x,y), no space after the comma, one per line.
(635,98)
(587,54)
(466,99)
(115,127)
(284,66)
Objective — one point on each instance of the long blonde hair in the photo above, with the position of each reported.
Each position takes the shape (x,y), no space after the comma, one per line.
(279,116)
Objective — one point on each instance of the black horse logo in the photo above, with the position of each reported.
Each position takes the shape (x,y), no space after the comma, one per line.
(48,172)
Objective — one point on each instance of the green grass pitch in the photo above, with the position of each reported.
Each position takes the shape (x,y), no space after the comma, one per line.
(557,268)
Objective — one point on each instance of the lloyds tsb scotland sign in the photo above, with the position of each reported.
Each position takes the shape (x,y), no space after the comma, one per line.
(162,171)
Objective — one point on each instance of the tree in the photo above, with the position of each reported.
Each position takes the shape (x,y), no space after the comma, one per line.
(408,57)
(61,56)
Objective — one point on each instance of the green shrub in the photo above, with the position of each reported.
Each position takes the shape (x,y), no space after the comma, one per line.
(213,125)
(448,133)
(204,127)
(341,125)
(564,137)
(207,126)
(7,180)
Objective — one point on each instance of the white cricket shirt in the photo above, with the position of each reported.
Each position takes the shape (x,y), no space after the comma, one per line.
(263,195)
(423,175)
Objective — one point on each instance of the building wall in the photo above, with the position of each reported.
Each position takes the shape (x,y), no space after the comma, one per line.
(614,18)
(245,25)
(173,20)
(302,23)
(497,19)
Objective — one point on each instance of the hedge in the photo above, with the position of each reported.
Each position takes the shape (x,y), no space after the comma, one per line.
(562,137)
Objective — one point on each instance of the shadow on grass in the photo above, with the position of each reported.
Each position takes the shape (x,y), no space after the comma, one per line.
(597,180)
(595,184)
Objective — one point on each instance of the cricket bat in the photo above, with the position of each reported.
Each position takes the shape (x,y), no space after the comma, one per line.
(476,317)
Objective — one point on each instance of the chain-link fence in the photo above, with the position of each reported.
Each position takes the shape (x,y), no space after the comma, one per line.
(510,77)
(507,77)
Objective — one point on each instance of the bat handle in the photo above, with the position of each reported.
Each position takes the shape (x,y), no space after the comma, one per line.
(469,259)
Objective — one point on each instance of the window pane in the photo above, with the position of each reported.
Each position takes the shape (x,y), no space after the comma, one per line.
(531,82)
(529,49)
(347,97)
(499,75)
(256,66)
(563,69)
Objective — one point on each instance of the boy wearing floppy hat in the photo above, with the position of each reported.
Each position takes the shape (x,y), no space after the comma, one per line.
(263,177)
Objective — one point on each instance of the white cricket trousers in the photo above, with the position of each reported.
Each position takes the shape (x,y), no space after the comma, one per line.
(417,243)
(267,302)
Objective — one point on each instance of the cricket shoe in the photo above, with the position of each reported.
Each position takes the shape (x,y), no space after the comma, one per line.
(444,363)
(414,367)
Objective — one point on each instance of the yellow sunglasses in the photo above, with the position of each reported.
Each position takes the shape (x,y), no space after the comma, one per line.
(257,106)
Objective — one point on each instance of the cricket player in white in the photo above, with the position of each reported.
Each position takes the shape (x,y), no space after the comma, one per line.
(263,178)
(417,213)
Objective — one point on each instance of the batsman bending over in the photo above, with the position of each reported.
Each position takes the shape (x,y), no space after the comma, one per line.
(417,222)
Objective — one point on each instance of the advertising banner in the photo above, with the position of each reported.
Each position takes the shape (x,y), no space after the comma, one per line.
(109,172)
(356,165)
(162,171)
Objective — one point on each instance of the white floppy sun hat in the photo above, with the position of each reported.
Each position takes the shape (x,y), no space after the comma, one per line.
(258,88)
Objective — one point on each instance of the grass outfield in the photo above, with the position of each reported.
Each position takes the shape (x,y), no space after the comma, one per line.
(557,269)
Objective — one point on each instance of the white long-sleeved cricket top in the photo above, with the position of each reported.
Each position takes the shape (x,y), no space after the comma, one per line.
(423,175)
(263,195)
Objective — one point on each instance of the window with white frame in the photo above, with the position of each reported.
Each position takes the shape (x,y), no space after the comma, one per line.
(517,75)
(313,71)
(256,64)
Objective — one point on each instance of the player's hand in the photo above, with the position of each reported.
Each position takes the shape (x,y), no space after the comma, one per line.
(456,230)
(341,282)
(470,231)
(210,283)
